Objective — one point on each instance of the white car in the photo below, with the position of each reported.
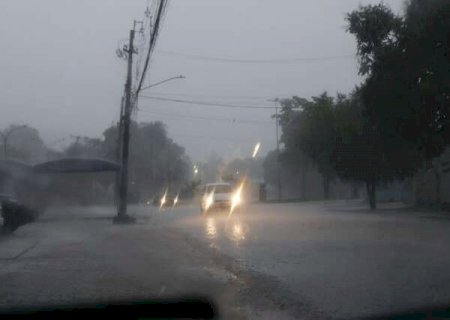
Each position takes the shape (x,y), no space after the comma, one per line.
(219,195)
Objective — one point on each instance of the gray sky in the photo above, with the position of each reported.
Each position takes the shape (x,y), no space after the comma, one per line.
(60,74)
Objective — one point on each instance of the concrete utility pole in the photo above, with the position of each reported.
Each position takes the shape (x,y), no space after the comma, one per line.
(122,216)
(277,160)
(278,152)
(119,150)
(120,129)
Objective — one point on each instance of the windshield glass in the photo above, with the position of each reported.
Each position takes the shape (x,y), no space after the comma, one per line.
(280,159)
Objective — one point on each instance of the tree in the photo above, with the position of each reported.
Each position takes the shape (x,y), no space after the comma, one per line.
(24,143)
(358,155)
(236,168)
(212,168)
(427,48)
(156,162)
(406,92)
(85,146)
(338,137)
(270,167)
(308,129)
(297,164)
(377,30)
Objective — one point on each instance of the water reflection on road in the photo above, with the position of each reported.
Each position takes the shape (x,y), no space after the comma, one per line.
(326,252)
(211,231)
(219,226)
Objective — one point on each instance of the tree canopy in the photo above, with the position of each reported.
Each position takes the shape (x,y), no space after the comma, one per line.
(406,62)
(308,129)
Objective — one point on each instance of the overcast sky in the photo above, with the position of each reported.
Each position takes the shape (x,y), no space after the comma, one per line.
(60,73)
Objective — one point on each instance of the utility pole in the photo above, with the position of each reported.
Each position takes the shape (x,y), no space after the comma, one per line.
(278,152)
(122,216)
(120,129)
(119,150)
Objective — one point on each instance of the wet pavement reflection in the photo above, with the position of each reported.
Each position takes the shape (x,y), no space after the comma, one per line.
(219,226)
(211,231)
(326,251)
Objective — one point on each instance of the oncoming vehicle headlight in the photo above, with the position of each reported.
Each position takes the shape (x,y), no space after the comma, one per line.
(236,199)
(162,202)
(209,200)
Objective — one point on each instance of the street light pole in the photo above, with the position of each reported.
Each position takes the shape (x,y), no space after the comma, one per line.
(163,81)
(275,101)
(119,150)
(169,173)
(124,133)
(278,152)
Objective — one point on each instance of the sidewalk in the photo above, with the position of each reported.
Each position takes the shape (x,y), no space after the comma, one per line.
(80,256)
(386,209)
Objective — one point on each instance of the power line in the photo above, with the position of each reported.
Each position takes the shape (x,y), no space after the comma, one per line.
(207,118)
(147,25)
(244,97)
(208,137)
(153,38)
(254,61)
(205,103)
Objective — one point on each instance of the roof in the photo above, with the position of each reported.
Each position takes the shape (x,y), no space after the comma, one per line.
(76,165)
(14,167)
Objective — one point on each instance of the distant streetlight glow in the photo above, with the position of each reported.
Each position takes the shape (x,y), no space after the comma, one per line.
(256,149)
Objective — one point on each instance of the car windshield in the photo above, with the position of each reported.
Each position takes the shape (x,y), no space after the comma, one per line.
(219,188)
(279,159)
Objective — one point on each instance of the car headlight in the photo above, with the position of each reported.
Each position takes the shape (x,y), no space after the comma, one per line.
(236,200)
(209,201)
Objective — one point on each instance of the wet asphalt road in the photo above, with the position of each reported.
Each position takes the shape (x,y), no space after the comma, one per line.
(268,261)
(336,257)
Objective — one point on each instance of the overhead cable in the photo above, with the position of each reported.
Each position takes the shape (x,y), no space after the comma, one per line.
(206,103)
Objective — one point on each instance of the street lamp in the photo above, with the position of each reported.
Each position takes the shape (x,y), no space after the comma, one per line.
(256,149)
(163,81)
(5,136)
(124,134)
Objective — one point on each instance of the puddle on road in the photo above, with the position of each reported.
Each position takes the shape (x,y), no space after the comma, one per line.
(217,229)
